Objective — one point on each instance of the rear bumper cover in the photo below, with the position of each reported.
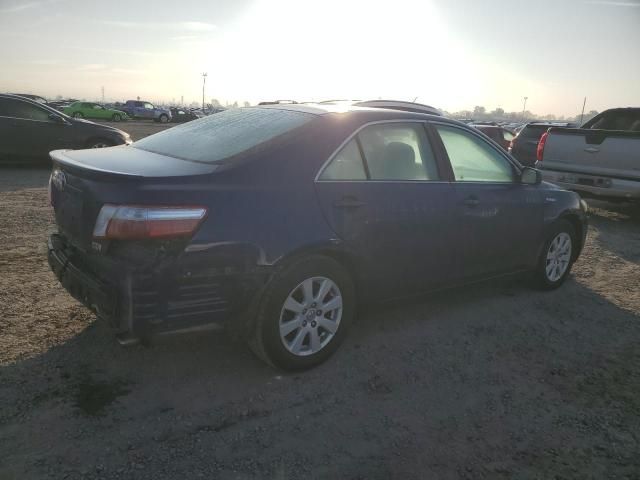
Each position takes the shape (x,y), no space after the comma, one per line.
(90,291)
(596,185)
(172,296)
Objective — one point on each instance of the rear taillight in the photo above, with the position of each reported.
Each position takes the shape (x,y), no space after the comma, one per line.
(540,149)
(128,222)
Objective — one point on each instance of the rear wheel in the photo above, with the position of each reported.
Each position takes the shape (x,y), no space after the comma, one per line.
(557,256)
(164,118)
(78,115)
(305,314)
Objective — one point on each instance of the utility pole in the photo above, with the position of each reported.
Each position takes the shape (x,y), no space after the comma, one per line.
(182,100)
(204,81)
(103,95)
(583,105)
(524,106)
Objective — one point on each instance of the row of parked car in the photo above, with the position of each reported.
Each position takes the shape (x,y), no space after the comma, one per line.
(118,112)
(602,158)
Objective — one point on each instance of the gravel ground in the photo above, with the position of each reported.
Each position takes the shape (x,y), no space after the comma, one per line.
(489,381)
(140,128)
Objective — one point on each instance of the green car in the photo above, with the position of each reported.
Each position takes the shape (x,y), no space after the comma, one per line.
(94,111)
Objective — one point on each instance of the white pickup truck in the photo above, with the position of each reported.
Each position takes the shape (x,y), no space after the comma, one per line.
(600,159)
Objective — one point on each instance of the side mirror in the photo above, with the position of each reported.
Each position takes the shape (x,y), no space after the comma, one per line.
(530,176)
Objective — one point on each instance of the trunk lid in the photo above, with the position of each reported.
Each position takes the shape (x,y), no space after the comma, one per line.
(130,161)
(84,180)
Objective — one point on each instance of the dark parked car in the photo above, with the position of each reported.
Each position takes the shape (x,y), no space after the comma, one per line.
(30,130)
(181,115)
(498,134)
(274,220)
(525,143)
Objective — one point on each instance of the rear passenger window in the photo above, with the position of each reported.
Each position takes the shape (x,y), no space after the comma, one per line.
(398,151)
(473,159)
(346,165)
(10,107)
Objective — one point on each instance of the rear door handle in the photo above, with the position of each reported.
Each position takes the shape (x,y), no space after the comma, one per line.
(471,202)
(349,202)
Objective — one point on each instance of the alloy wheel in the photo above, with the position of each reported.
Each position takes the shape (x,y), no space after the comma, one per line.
(558,257)
(310,316)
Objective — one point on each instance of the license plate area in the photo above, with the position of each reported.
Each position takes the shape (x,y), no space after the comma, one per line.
(69,213)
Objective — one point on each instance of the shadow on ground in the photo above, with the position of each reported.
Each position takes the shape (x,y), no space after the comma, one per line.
(489,381)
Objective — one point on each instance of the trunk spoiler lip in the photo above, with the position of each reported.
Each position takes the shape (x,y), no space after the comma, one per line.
(60,157)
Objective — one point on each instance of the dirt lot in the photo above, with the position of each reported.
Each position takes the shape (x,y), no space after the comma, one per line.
(490,381)
(140,128)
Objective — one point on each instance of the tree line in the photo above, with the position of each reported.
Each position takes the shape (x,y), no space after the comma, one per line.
(499,115)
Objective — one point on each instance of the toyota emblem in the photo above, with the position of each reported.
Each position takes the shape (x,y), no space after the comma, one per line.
(58,179)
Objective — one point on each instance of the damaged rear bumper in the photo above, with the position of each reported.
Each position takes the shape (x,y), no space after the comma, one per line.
(178,294)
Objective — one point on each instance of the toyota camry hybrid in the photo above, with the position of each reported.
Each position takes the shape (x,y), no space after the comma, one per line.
(277,221)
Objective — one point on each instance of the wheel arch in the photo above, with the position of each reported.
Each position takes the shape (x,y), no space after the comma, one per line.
(346,259)
(574,219)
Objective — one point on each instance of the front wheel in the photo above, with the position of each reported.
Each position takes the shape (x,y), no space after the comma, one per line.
(557,256)
(164,118)
(116,117)
(305,313)
(77,115)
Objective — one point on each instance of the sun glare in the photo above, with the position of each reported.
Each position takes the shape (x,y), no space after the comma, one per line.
(340,49)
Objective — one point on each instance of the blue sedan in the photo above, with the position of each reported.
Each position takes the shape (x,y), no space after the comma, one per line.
(276,221)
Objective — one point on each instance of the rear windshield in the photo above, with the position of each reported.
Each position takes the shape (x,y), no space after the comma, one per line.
(223,135)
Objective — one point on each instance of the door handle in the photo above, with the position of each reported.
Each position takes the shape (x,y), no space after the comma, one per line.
(591,149)
(349,202)
(471,202)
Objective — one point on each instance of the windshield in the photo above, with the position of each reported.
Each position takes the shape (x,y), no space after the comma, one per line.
(224,134)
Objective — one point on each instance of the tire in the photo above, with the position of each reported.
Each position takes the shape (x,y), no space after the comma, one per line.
(77,115)
(99,143)
(116,117)
(310,334)
(546,276)
(163,118)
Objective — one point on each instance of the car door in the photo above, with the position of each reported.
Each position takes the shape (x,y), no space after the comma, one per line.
(9,143)
(98,112)
(32,132)
(383,195)
(139,110)
(498,219)
(148,110)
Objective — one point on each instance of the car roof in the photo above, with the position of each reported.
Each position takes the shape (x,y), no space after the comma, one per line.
(400,105)
(366,114)
(389,104)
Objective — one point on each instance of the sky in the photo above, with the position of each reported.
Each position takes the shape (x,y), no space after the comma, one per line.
(453,54)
